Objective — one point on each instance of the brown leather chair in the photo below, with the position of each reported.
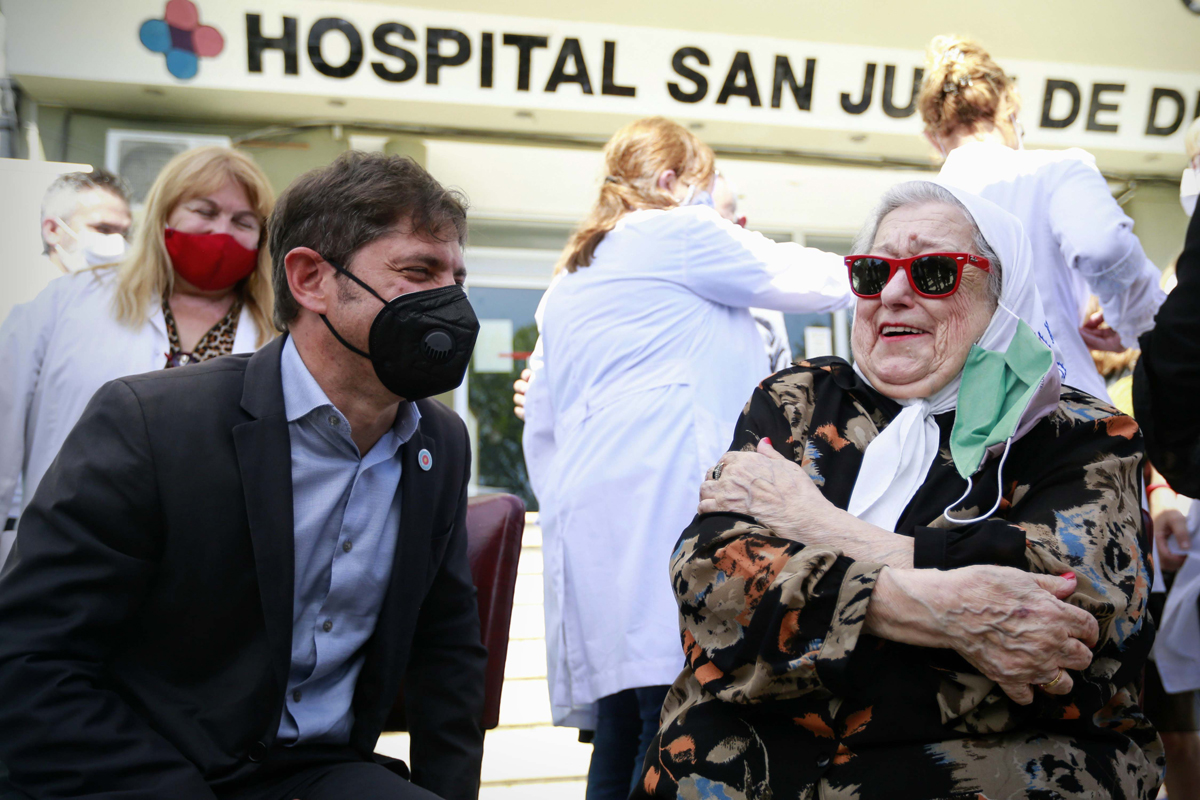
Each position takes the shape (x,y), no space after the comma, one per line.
(495,524)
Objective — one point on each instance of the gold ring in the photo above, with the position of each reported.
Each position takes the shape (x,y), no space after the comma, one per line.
(716,473)
(1054,682)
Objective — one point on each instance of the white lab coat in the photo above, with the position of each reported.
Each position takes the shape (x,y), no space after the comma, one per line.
(650,354)
(1083,243)
(55,352)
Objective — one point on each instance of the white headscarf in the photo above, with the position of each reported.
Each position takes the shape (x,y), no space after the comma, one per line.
(896,462)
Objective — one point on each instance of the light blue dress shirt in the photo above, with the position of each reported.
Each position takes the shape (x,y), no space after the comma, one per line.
(346,512)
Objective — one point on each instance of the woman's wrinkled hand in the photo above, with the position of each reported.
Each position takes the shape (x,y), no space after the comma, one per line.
(774,490)
(1012,626)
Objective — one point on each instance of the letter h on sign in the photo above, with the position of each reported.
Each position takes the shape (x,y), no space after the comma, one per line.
(257,44)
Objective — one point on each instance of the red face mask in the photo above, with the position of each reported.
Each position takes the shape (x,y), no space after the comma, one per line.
(209,261)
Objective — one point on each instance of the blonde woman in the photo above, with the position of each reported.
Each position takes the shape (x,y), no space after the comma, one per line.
(649,354)
(196,284)
(1082,241)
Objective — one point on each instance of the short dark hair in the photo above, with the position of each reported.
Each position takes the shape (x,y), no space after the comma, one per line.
(60,199)
(359,198)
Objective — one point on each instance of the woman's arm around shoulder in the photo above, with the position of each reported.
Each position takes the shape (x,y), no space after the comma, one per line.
(728,264)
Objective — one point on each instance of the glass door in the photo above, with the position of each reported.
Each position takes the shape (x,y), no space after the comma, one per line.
(509,266)
(507,333)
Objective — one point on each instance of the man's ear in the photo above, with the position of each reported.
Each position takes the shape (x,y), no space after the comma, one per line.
(666,180)
(311,279)
(52,232)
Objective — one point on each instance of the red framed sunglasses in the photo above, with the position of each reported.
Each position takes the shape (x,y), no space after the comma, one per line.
(929,274)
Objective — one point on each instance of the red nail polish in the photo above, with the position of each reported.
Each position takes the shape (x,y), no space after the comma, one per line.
(767,439)
(1068,575)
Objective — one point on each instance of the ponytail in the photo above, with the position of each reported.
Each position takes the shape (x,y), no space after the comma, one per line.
(634,158)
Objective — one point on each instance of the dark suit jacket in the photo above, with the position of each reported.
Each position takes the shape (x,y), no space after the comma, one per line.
(146,612)
(1166,381)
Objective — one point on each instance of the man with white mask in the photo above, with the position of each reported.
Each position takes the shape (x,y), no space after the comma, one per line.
(85,220)
(85,223)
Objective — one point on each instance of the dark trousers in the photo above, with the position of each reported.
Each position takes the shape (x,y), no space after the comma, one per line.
(322,773)
(625,724)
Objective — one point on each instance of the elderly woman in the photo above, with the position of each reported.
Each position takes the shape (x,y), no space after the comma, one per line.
(923,576)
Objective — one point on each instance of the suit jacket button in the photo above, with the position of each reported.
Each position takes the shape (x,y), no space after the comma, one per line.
(257,752)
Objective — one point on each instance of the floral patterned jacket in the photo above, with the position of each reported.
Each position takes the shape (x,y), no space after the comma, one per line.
(785,696)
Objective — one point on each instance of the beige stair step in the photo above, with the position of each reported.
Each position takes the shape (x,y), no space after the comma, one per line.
(518,754)
(530,562)
(526,659)
(549,790)
(529,590)
(528,622)
(525,703)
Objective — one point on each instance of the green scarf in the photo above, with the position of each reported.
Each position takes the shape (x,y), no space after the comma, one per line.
(996,389)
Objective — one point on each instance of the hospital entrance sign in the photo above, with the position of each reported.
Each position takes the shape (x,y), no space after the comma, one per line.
(391,53)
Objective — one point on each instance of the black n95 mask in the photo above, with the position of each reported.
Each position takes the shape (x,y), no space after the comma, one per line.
(421,342)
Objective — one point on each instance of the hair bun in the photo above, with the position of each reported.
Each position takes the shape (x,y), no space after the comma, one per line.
(948,61)
(953,65)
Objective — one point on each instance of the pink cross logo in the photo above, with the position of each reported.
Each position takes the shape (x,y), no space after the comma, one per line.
(181,38)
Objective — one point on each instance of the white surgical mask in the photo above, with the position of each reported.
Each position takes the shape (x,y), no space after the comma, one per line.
(1189,189)
(698,197)
(1018,131)
(92,248)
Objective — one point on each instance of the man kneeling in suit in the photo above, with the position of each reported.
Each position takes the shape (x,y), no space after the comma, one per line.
(225,575)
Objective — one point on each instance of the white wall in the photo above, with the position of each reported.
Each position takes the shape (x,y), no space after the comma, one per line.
(515,182)
(558,184)
(809,199)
